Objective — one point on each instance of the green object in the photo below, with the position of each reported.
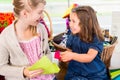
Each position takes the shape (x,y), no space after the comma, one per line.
(45,64)
(106,44)
(115,73)
(5,24)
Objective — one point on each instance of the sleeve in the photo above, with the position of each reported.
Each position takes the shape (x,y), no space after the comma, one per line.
(47,49)
(69,41)
(97,45)
(45,44)
(6,68)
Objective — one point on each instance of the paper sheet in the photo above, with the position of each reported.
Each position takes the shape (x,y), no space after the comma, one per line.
(45,64)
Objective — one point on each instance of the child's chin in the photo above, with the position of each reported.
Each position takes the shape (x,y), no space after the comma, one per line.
(74,33)
(36,23)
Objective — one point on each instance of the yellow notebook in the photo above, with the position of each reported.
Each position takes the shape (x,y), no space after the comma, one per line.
(45,64)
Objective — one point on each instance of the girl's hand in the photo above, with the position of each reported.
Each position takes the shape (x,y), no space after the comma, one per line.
(32,74)
(66,56)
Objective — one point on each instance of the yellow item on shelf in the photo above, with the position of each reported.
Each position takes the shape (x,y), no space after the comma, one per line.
(67,12)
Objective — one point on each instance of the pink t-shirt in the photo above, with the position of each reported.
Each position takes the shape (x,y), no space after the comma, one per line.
(32,50)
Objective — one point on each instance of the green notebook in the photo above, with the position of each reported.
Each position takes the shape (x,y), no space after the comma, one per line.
(45,64)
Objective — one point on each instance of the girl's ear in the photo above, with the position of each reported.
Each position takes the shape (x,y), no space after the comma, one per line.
(24,13)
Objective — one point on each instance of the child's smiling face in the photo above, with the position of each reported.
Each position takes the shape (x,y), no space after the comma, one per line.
(74,23)
(36,14)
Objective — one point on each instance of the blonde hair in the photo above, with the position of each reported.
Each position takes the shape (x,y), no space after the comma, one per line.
(25,4)
(19,5)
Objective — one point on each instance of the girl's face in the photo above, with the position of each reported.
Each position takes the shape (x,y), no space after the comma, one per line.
(74,23)
(35,15)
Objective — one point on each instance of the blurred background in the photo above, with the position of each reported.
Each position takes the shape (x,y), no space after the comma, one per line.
(56,9)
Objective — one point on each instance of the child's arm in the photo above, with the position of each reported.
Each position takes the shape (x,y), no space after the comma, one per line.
(85,58)
(67,49)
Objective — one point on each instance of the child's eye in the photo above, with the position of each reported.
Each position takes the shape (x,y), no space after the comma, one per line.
(69,19)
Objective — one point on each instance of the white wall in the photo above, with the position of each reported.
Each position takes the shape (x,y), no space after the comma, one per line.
(6,7)
(115,30)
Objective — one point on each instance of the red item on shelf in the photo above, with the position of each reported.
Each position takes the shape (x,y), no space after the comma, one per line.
(6,18)
(1,29)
